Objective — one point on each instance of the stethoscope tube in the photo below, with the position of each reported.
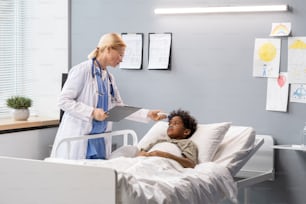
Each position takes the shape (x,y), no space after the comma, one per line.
(109,77)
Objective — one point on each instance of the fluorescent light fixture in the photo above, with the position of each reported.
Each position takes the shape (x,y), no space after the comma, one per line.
(225,9)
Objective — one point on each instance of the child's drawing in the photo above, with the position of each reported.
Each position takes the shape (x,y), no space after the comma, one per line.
(297,60)
(277,93)
(266,58)
(298,93)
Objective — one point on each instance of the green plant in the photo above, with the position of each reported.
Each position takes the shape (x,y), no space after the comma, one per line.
(19,102)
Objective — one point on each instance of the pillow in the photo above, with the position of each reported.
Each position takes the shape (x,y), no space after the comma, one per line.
(207,137)
(235,147)
(157,131)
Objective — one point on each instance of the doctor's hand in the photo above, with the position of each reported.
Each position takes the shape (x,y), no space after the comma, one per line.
(157,115)
(99,114)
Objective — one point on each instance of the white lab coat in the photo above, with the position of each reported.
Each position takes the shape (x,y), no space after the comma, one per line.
(78,98)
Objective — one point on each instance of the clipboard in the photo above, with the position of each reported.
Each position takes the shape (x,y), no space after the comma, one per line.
(118,113)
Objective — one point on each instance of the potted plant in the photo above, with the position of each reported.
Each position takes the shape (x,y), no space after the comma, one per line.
(21,105)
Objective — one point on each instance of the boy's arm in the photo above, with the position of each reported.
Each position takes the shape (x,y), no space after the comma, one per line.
(184,161)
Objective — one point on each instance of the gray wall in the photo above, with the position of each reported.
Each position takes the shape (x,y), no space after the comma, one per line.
(211,73)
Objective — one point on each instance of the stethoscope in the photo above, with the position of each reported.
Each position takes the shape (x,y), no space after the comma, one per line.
(109,77)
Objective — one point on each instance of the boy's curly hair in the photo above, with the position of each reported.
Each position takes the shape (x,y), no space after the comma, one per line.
(189,121)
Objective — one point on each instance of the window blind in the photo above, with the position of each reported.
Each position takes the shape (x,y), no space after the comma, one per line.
(14,69)
(33,53)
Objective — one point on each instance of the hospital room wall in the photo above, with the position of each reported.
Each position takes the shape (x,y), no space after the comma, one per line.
(210,75)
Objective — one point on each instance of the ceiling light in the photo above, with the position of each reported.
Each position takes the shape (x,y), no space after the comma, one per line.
(225,9)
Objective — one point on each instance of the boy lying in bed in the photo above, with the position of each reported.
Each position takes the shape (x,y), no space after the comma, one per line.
(178,147)
(181,126)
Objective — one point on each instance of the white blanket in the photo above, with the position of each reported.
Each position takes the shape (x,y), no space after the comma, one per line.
(148,180)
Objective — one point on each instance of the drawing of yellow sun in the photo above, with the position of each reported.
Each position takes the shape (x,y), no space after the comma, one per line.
(267,52)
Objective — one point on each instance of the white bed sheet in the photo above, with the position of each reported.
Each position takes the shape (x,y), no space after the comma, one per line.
(148,180)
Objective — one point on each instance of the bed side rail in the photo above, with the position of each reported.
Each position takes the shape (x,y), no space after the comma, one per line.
(124,133)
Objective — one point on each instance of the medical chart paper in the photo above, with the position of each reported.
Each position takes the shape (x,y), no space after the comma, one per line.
(133,53)
(159,50)
(118,113)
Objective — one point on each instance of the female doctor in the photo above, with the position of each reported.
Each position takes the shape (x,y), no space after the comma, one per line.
(89,92)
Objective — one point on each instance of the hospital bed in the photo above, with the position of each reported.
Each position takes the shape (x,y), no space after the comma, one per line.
(235,158)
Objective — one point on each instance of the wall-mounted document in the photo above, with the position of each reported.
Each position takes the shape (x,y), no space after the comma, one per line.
(297,60)
(133,53)
(159,50)
(280,29)
(266,59)
(277,93)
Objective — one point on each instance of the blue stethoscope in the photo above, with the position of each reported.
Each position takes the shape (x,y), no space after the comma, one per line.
(109,77)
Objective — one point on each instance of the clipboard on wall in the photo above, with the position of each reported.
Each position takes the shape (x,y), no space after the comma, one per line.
(160,50)
(118,113)
(133,57)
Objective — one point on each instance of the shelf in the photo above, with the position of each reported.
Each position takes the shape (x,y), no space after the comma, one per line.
(291,147)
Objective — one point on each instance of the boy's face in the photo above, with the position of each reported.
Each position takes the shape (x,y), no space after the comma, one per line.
(176,129)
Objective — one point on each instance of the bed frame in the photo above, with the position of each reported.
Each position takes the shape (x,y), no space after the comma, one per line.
(29,181)
(259,167)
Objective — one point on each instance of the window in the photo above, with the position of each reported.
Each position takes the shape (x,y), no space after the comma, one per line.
(33,52)
(13,80)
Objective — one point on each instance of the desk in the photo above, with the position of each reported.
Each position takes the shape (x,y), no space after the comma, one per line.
(34,121)
(291,147)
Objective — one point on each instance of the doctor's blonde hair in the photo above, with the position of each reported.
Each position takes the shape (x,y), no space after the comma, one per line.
(110,40)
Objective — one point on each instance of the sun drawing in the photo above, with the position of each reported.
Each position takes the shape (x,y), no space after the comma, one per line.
(267,52)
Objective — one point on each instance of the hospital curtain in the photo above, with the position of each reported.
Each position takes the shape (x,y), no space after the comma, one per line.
(14,67)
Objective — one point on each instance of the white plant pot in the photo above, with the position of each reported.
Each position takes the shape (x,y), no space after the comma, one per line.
(21,114)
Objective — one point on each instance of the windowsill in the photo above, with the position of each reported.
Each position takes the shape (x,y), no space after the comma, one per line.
(10,124)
